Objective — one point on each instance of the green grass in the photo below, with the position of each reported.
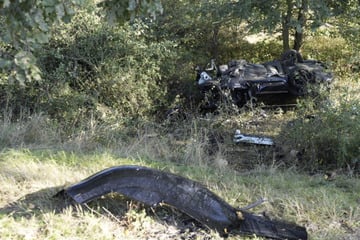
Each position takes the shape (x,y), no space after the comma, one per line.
(30,178)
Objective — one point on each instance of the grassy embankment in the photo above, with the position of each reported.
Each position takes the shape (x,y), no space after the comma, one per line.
(30,178)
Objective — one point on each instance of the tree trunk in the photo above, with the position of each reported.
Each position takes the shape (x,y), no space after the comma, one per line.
(286,18)
(215,42)
(299,31)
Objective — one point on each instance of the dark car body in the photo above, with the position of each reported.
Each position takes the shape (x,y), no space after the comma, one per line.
(240,82)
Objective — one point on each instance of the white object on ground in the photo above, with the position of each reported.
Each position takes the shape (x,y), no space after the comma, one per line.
(238,137)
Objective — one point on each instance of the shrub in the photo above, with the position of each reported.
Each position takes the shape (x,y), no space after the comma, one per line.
(330,138)
(262,51)
(93,66)
(339,55)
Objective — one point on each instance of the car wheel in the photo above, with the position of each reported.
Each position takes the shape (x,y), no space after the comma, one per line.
(298,80)
(291,57)
(239,97)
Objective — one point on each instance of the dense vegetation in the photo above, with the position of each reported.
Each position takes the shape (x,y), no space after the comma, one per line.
(83,80)
(119,76)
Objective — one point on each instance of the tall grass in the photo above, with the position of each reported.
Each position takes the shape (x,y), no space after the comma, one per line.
(33,167)
(327,128)
(35,130)
(30,178)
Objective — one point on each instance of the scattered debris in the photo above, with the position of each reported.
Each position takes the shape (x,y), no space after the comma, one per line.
(154,188)
(242,138)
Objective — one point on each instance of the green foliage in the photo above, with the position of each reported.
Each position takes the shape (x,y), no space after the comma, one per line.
(341,56)
(113,73)
(25,25)
(121,10)
(28,22)
(262,51)
(329,138)
(327,125)
(318,47)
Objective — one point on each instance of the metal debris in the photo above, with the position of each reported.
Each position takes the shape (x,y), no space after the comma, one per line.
(242,138)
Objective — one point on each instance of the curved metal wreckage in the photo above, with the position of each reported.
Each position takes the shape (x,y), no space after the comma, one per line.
(153,187)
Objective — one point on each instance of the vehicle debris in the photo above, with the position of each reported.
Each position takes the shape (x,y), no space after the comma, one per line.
(240,82)
(242,138)
(154,188)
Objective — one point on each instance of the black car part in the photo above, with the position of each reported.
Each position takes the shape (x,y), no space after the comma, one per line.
(153,187)
(240,82)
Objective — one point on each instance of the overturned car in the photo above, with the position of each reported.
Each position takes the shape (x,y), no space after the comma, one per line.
(240,82)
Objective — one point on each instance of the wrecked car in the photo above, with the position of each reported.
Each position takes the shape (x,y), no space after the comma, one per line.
(156,188)
(240,82)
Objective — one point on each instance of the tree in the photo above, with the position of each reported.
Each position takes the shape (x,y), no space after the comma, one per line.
(348,24)
(294,17)
(197,25)
(291,19)
(26,25)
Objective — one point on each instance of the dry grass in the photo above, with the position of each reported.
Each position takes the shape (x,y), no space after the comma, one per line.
(28,210)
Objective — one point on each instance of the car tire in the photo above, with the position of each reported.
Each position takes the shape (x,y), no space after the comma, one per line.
(291,57)
(239,97)
(298,81)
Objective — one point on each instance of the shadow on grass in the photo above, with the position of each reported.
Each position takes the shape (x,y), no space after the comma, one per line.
(36,203)
(116,207)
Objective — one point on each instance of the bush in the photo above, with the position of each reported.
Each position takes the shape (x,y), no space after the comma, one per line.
(329,139)
(339,55)
(92,66)
(252,52)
